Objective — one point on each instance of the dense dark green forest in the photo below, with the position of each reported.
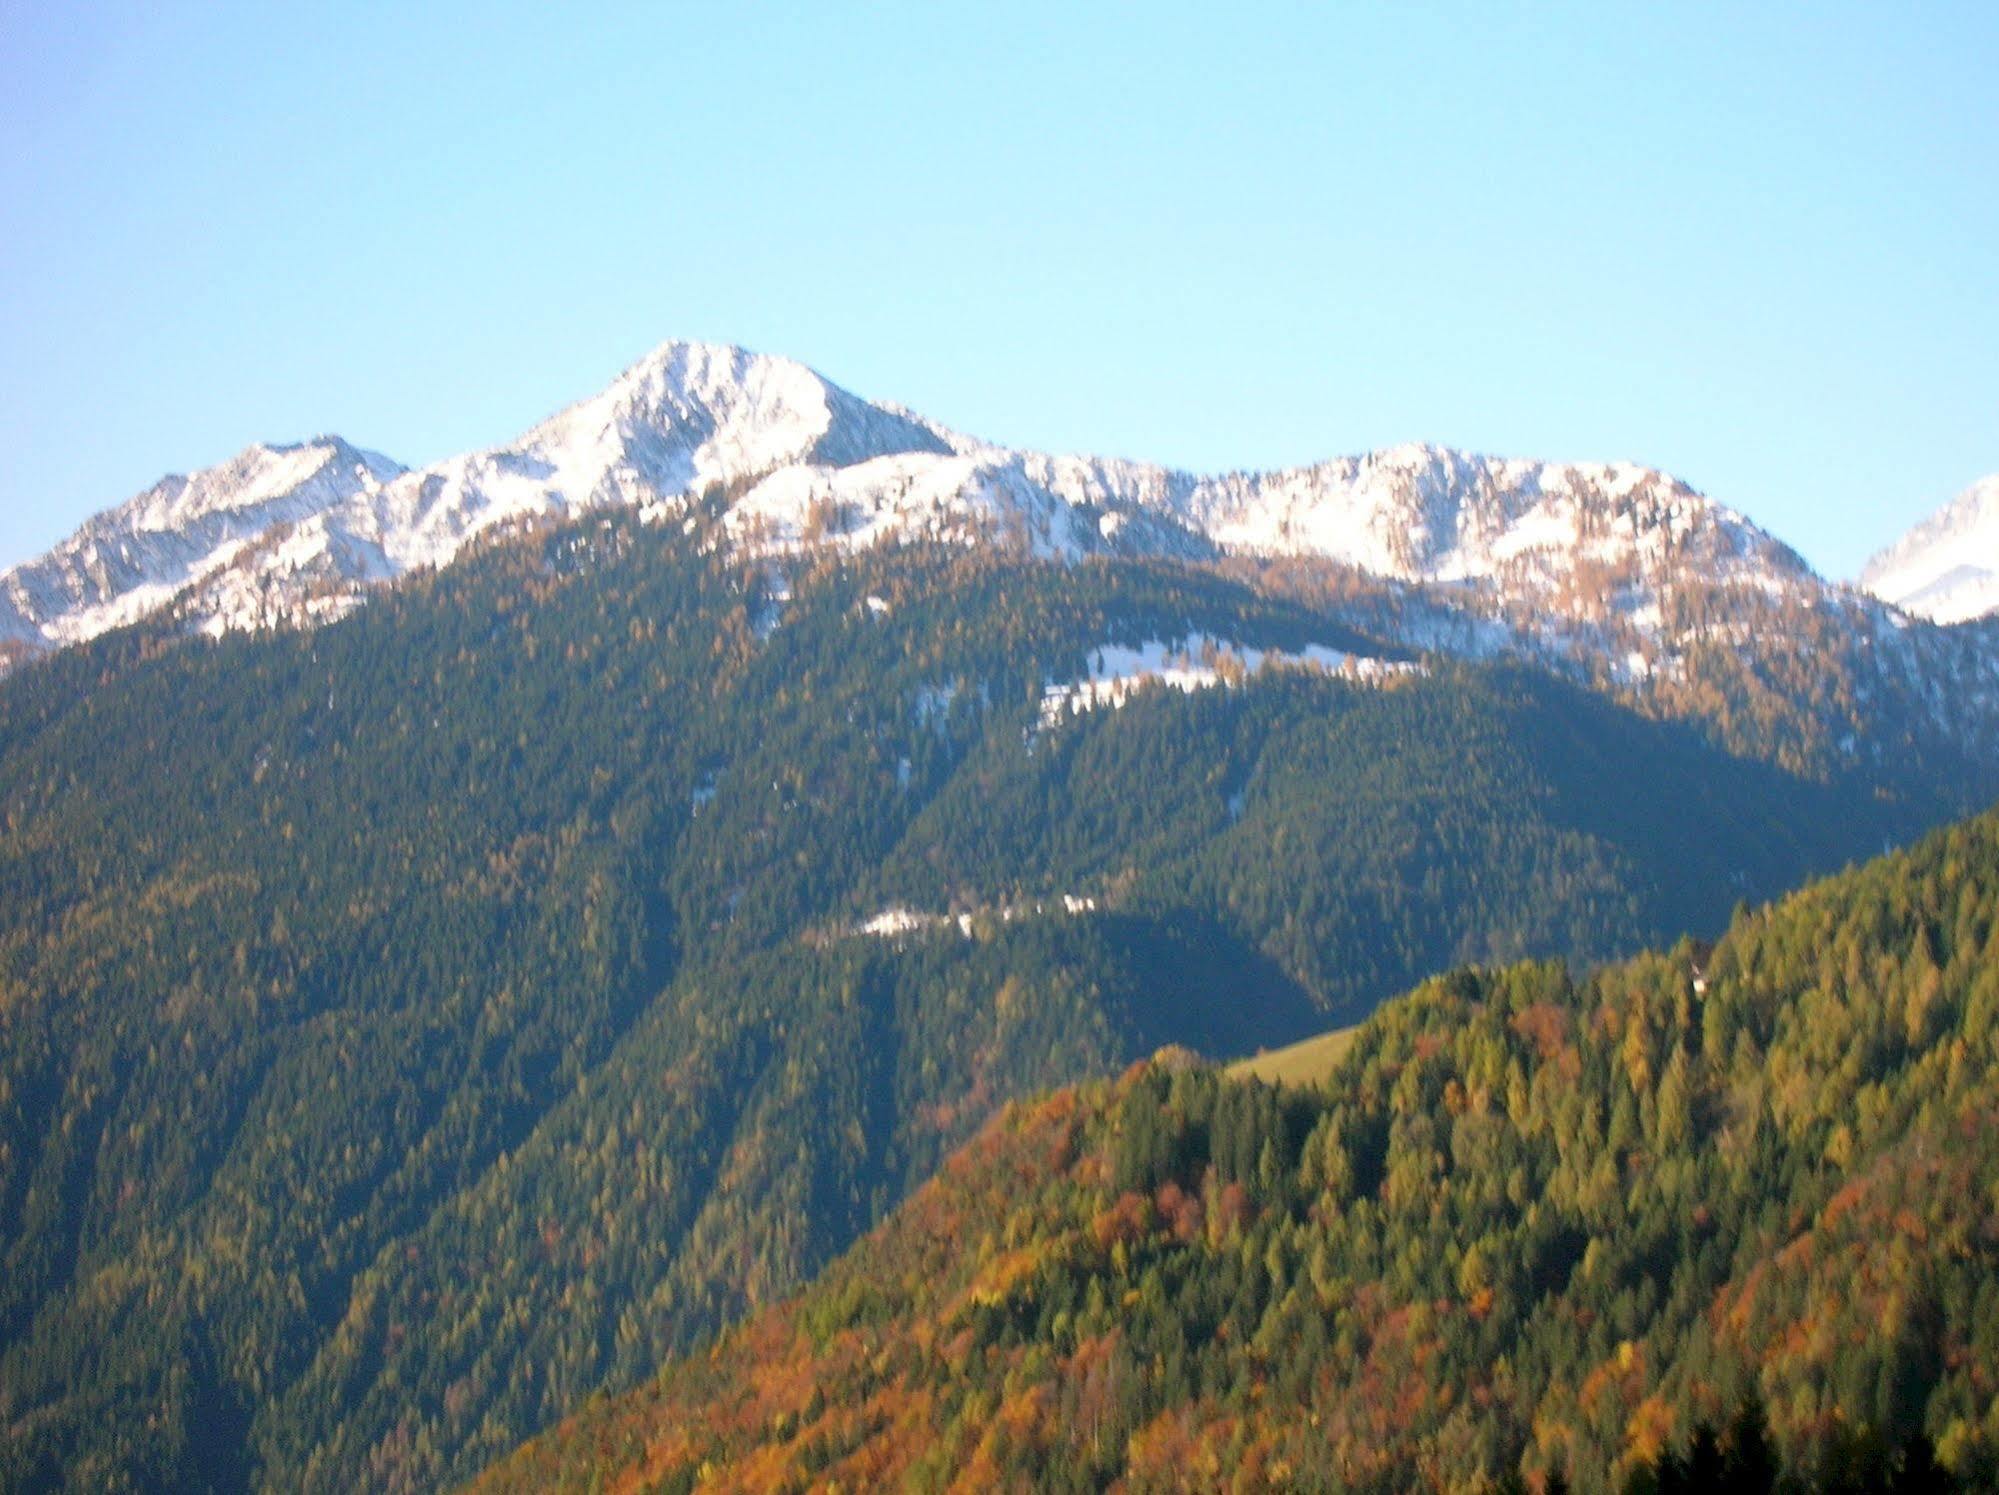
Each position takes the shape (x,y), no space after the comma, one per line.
(1712,1220)
(413,1025)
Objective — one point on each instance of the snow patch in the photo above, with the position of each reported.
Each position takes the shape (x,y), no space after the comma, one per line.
(1199,661)
(898,920)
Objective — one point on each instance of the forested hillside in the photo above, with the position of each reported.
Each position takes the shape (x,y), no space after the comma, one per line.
(413,1025)
(1532,1226)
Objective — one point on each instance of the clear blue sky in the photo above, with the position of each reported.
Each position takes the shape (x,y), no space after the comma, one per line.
(1756,246)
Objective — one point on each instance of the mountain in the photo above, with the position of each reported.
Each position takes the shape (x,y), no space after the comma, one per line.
(333,522)
(1528,1224)
(808,463)
(412,1025)
(1947,567)
(1618,575)
(263,512)
(416,1022)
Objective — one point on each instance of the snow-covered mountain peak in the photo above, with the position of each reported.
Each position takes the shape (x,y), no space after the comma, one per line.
(1945,569)
(255,476)
(753,402)
(133,559)
(1425,513)
(732,412)
(685,416)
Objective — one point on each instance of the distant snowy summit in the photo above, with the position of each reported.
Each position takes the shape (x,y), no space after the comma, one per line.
(189,532)
(300,534)
(1946,569)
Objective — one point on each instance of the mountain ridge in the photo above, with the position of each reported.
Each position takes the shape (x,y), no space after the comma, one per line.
(128,561)
(811,463)
(1615,575)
